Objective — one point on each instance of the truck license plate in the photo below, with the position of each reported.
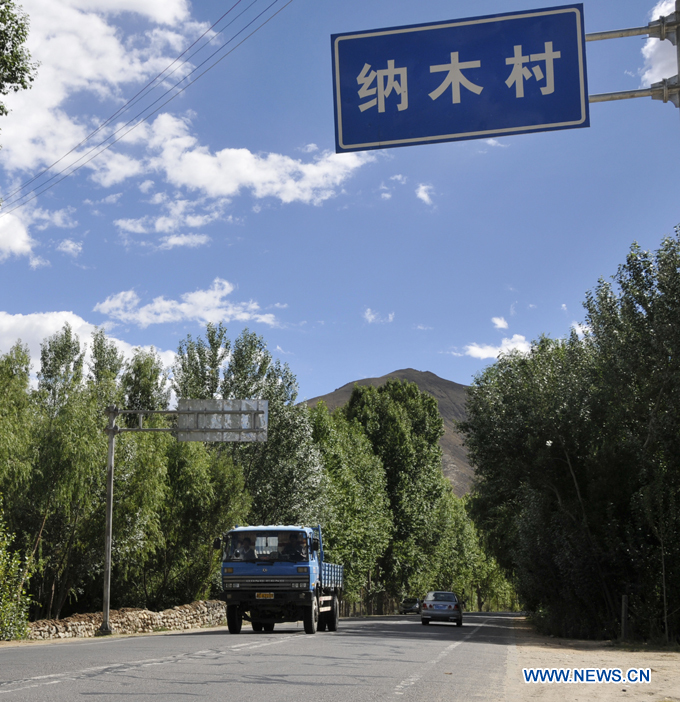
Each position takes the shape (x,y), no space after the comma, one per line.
(264,595)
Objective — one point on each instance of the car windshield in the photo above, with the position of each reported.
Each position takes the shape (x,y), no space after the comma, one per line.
(410,600)
(266,546)
(441,597)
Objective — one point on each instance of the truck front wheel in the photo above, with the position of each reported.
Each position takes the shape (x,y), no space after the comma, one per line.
(234,619)
(311,617)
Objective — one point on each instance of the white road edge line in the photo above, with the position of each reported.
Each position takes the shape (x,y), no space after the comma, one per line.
(401,687)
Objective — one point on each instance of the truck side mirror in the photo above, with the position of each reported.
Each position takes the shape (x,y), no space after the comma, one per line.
(217,543)
(315,544)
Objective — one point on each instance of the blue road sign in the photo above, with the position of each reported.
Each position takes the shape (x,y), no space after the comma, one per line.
(473,78)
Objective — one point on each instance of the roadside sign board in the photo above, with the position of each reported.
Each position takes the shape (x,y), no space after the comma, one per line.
(222,420)
(472,78)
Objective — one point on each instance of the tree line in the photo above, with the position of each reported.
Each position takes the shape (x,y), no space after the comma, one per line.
(576,446)
(369,472)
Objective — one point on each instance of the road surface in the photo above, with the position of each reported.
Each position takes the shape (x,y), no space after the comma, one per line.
(386,658)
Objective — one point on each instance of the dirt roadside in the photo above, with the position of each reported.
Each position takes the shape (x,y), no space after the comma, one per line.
(536,651)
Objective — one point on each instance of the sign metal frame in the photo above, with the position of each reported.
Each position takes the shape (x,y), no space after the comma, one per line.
(197,420)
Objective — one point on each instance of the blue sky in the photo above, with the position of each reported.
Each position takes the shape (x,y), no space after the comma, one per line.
(229,204)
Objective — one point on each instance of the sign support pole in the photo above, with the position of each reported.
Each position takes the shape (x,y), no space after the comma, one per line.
(668,89)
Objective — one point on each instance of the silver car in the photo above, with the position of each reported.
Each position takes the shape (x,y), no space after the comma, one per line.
(440,606)
(411,605)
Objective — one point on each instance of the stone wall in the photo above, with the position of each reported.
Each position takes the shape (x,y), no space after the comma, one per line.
(132,621)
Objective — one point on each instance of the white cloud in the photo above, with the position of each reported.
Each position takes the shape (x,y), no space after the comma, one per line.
(401,179)
(81,50)
(33,329)
(70,247)
(422,327)
(564,308)
(176,214)
(133,226)
(518,342)
(191,241)
(660,57)
(14,238)
(226,173)
(423,192)
(201,305)
(46,218)
(499,322)
(108,200)
(161,11)
(112,168)
(495,142)
(386,196)
(111,199)
(580,329)
(373,317)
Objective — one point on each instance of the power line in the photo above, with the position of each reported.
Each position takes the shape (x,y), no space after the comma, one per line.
(40,189)
(134,99)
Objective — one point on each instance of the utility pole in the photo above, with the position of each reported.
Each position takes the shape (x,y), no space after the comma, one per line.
(111,430)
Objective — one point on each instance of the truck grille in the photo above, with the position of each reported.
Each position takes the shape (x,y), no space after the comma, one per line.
(268,584)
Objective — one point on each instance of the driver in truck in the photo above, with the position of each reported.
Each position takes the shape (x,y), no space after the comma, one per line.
(247,551)
(294,547)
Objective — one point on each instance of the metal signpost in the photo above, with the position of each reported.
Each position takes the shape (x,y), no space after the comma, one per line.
(474,78)
(197,420)
(664,28)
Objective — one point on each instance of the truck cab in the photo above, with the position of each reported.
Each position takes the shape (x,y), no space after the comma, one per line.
(276,574)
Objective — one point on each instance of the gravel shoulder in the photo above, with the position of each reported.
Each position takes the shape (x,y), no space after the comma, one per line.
(536,651)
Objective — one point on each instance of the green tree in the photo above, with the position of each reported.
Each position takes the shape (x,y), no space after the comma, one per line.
(13,599)
(144,384)
(203,495)
(404,427)
(283,474)
(198,368)
(356,519)
(66,490)
(17,71)
(576,446)
(16,420)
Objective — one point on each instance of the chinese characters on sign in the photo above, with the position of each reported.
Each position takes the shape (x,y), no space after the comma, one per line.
(396,78)
(506,74)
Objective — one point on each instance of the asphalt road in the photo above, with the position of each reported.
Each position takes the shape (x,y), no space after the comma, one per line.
(384,658)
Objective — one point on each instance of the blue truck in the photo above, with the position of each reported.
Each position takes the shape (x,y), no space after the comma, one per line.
(275,574)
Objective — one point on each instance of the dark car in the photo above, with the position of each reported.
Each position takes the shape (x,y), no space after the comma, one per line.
(441,606)
(411,605)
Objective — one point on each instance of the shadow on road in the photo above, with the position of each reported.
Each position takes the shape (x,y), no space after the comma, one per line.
(496,627)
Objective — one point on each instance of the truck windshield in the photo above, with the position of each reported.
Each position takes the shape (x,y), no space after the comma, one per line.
(266,546)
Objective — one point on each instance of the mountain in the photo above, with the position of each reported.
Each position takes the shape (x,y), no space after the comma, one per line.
(451,399)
